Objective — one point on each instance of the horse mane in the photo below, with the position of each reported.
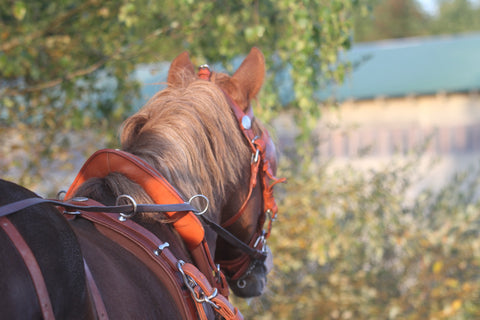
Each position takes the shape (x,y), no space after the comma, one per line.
(189,134)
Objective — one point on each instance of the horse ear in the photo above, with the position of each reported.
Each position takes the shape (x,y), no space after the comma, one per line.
(181,66)
(251,73)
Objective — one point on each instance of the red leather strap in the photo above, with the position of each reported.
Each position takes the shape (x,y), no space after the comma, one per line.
(32,266)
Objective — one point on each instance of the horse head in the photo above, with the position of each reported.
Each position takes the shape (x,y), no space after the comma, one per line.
(248,203)
(200,134)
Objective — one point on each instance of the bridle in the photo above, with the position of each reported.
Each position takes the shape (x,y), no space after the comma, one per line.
(261,172)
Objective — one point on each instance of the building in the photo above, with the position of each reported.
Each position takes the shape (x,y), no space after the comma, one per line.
(405,95)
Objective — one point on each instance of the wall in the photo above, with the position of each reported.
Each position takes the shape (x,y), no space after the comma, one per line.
(369,133)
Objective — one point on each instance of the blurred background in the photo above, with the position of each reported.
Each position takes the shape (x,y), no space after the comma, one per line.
(374,106)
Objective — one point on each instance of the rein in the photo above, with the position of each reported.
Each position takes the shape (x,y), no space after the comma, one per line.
(128,210)
(123,210)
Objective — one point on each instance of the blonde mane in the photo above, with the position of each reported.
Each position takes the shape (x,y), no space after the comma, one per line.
(189,134)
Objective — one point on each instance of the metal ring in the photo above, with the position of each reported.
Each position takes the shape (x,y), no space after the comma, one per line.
(123,216)
(60,193)
(200,196)
(241,283)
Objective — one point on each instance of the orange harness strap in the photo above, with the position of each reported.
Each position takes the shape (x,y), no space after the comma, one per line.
(105,161)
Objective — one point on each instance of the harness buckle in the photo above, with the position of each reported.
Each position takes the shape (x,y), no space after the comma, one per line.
(261,239)
(255,156)
(191,284)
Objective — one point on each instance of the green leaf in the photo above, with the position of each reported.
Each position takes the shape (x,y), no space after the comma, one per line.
(19,10)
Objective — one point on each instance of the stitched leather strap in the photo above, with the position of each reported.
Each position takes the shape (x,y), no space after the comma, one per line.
(146,246)
(32,266)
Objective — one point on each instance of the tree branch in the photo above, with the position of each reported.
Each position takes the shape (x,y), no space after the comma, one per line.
(15,42)
(55,82)
(81,72)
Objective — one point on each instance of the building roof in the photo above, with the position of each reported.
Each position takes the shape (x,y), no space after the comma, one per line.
(415,66)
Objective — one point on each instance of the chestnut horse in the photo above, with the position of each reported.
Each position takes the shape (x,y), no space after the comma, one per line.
(199,137)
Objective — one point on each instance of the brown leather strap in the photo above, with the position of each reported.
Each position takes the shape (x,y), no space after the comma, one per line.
(158,258)
(145,246)
(162,192)
(32,266)
(96,296)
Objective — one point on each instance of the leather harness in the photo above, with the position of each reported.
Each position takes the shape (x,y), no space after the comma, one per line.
(202,280)
(139,241)
(260,169)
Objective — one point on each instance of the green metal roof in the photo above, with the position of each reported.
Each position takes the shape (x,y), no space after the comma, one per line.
(415,66)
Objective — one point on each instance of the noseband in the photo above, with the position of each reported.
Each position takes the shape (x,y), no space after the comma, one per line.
(260,169)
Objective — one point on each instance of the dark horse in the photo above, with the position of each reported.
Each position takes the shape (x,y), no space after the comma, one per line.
(197,137)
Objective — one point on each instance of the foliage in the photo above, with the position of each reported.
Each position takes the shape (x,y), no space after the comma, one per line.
(66,65)
(377,20)
(456,16)
(347,247)
(389,19)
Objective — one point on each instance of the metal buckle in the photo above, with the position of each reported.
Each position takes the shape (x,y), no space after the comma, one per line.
(263,241)
(255,155)
(191,284)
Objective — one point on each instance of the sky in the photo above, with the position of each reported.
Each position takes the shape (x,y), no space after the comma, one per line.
(429,5)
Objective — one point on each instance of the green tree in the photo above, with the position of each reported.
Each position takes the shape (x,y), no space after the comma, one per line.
(388,20)
(353,245)
(66,65)
(456,16)
(377,20)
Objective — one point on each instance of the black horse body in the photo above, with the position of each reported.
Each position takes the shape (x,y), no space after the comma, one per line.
(57,251)
(61,248)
